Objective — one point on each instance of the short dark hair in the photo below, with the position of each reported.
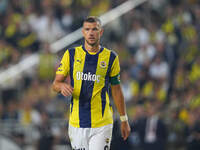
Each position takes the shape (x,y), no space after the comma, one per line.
(93,19)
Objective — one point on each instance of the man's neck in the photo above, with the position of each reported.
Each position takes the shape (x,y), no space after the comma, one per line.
(93,49)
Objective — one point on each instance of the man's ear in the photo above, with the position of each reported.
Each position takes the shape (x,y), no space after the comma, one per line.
(82,31)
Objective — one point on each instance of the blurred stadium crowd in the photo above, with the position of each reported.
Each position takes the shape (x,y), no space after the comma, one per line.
(159,49)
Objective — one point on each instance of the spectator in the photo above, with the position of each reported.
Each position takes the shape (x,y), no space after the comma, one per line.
(11,113)
(155,133)
(137,36)
(162,66)
(168,29)
(46,138)
(145,54)
(46,63)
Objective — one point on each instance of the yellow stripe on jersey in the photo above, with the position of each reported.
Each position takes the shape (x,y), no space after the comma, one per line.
(78,66)
(63,68)
(115,69)
(96,103)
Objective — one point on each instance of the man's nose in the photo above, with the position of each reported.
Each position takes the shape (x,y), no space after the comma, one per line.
(91,32)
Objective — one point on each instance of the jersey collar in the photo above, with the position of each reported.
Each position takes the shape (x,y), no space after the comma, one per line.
(101,49)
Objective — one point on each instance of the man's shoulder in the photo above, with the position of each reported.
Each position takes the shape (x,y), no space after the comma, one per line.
(111,51)
(72,49)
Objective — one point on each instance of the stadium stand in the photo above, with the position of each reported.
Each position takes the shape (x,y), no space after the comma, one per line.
(158,44)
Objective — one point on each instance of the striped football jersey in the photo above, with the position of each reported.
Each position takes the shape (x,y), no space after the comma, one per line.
(90,74)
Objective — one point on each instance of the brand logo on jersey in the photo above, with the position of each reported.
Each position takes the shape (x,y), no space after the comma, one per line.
(78,60)
(59,67)
(103,64)
(87,76)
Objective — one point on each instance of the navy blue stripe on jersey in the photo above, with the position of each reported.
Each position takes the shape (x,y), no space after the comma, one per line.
(72,104)
(103,99)
(106,87)
(71,57)
(86,91)
(111,60)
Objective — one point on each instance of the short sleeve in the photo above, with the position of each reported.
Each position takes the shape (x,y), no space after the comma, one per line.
(64,65)
(115,69)
(115,72)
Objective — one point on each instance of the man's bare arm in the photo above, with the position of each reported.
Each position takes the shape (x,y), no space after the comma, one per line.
(121,108)
(60,86)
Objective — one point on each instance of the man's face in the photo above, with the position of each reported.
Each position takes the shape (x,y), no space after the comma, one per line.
(92,32)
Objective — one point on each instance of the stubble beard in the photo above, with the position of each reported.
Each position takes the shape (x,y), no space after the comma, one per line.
(92,44)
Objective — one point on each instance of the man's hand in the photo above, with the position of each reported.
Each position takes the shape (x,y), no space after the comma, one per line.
(66,89)
(60,86)
(125,129)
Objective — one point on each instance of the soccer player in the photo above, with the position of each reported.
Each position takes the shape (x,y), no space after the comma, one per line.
(92,69)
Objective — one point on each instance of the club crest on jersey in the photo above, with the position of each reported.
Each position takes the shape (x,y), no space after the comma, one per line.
(103,64)
(60,65)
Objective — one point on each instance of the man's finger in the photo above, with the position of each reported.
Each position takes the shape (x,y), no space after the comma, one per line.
(66,92)
(68,88)
(126,135)
(123,132)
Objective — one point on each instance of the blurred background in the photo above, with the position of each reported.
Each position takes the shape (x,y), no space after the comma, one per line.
(158,43)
